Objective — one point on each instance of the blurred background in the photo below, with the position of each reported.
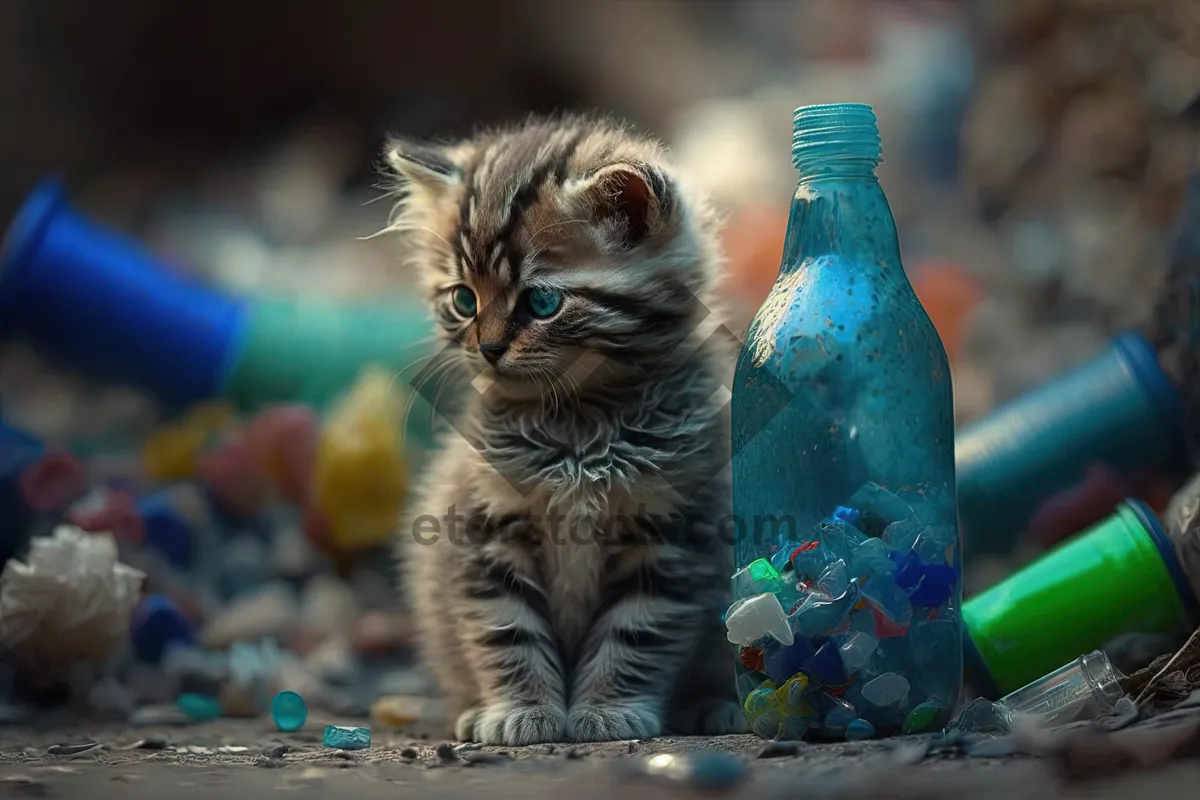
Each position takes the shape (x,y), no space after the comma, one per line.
(1035,150)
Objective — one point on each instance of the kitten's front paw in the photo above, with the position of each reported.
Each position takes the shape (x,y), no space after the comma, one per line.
(512,725)
(612,722)
(464,726)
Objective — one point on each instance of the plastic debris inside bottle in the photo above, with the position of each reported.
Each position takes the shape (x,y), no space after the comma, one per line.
(849,632)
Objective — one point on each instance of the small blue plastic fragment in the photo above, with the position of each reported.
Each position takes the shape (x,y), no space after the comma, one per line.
(781,663)
(289,711)
(166,530)
(851,516)
(198,707)
(859,730)
(711,770)
(825,666)
(927,585)
(158,625)
(347,738)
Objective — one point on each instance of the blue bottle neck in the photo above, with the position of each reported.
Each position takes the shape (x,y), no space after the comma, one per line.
(842,210)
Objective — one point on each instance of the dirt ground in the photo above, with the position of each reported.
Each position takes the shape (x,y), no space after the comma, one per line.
(242,758)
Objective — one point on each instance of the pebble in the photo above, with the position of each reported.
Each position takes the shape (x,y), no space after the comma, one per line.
(241,700)
(232,749)
(409,753)
(780,749)
(158,715)
(998,747)
(278,751)
(153,743)
(445,752)
(483,757)
(72,749)
(913,752)
(1125,713)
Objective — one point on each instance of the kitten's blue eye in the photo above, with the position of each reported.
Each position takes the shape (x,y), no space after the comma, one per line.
(544,302)
(464,301)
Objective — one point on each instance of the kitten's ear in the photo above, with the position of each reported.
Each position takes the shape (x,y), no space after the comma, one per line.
(430,167)
(632,200)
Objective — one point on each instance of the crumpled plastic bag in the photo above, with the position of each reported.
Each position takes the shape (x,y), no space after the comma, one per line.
(70,602)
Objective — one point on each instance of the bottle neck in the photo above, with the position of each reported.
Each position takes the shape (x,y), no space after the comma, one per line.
(842,210)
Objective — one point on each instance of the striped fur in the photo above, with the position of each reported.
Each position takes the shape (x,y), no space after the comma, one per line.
(561,553)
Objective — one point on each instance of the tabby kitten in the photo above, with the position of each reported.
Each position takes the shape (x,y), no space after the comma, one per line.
(562,554)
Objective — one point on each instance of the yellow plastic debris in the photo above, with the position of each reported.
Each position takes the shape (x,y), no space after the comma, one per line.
(397,710)
(171,452)
(361,476)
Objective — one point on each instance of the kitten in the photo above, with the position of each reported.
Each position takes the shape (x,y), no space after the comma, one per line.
(562,555)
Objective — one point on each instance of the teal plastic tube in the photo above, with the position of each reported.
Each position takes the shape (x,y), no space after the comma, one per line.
(1119,410)
(100,303)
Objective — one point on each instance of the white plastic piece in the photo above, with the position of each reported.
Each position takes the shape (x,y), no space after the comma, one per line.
(70,602)
(857,650)
(889,689)
(756,617)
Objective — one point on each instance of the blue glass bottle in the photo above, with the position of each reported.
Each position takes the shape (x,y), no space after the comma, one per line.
(847,594)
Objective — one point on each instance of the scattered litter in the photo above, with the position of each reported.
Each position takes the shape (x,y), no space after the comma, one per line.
(399,711)
(159,715)
(289,711)
(69,602)
(73,749)
(827,628)
(705,770)
(198,707)
(346,738)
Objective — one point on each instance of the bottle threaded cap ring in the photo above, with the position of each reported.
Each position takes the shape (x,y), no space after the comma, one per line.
(836,132)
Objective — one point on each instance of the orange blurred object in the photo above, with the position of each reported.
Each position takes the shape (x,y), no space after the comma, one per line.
(754,244)
(948,294)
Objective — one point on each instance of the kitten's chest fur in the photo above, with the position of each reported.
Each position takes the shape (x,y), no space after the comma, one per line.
(584,478)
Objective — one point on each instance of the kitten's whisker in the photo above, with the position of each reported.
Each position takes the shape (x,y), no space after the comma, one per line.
(558,224)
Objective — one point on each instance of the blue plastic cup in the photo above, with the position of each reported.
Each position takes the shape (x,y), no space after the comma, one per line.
(98,301)
(1119,410)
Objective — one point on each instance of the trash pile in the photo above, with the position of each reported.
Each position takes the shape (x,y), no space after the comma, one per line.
(236,559)
(855,633)
(1076,148)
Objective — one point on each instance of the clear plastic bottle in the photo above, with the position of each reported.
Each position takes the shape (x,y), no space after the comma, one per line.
(843,470)
(1087,688)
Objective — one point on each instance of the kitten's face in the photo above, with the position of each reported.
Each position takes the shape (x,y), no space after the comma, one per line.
(550,245)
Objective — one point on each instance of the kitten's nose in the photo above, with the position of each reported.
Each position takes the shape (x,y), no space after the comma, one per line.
(493,351)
